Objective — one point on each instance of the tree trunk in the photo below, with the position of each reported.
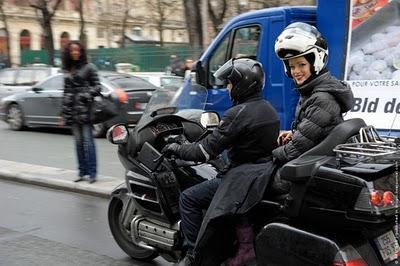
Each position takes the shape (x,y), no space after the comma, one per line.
(217,18)
(48,40)
(161,21)
(45,21)
(124,22)
(193,22)
(82,34)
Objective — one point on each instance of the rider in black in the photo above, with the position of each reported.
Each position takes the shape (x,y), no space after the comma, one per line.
(248,131)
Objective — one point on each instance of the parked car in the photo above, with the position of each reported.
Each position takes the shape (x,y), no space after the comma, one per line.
(160,79)
(13,80)
(41,105)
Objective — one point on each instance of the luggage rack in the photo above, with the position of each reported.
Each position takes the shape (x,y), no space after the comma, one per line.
(368,145)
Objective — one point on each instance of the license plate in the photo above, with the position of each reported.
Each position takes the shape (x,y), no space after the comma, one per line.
(388,246)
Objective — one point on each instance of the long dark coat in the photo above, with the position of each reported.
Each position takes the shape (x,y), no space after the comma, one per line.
(241,189)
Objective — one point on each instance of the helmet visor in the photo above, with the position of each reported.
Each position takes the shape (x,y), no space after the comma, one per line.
(224,71)
(304,29)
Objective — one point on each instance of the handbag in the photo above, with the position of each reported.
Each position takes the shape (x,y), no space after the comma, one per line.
(103,109)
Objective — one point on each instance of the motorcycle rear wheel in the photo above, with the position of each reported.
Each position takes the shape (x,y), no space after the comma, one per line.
(122,235)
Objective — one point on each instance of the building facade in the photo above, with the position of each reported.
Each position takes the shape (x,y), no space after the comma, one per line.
(103,25)
(104,19)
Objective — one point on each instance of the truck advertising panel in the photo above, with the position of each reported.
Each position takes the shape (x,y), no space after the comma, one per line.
(373,65)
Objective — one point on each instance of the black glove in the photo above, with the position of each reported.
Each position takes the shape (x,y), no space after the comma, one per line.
(171,149)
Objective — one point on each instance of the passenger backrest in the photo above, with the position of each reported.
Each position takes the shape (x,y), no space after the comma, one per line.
(339,135)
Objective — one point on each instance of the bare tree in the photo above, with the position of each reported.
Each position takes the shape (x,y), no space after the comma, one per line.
(47,9)
(217,18)
(161,10)
(124,21)
(82,32)
(269,3)
(240,7)
(274,3)
(4,19)
(193,22)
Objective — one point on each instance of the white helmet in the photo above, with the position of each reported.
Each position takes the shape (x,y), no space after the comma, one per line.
(301,39)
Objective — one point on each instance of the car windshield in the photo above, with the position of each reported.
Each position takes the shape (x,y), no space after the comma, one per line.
(171,81)
(170,100)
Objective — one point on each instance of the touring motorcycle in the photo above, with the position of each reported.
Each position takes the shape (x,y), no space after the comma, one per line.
(341,208)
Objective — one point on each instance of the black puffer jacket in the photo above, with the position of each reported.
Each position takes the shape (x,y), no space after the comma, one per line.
(80,87)
(248,130)
(321,105)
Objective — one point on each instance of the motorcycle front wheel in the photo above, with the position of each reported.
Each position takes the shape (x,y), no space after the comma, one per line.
(122,235)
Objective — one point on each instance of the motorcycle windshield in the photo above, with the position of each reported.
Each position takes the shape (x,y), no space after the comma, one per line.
(171,99)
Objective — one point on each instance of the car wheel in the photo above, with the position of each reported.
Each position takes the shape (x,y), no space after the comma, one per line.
(99,130)
(15,117)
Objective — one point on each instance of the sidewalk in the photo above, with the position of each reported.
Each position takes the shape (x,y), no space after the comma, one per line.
(56,178)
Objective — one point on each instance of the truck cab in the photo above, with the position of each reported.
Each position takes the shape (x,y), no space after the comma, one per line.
(253,35)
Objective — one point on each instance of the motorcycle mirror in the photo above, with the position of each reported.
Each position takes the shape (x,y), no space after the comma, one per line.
(118,134)
(209,119)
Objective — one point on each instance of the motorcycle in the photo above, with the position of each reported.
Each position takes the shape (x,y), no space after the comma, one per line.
(143,213)
(341,208)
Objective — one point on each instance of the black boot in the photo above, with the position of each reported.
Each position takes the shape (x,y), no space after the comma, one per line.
(188,260)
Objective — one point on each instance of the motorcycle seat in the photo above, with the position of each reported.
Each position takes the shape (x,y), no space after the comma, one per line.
(339,135)
(301,168)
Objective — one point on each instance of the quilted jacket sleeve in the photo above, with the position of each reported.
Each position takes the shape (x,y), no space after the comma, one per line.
(319,115)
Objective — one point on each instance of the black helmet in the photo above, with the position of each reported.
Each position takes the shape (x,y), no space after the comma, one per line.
(246,76)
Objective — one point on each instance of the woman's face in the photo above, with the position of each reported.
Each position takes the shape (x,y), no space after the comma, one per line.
(300,69)
(75,51)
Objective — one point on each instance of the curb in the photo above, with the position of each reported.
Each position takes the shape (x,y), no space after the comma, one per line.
(56,178)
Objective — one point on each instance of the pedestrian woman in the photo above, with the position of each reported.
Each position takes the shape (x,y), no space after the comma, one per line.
(323,98)
(81,85)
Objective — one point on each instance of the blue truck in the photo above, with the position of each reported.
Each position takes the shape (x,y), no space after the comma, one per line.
(253,34)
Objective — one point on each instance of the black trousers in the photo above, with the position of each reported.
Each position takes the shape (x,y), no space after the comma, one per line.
(192,202)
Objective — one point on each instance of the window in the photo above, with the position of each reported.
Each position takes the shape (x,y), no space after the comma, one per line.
(101,32)
(64,39)
(245,42)
(218,59)
(116,32)
(25,40)
(40,74)
(7,77)
(131,83)
(171,81)
(117,9)
(54,83)
(24,77)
